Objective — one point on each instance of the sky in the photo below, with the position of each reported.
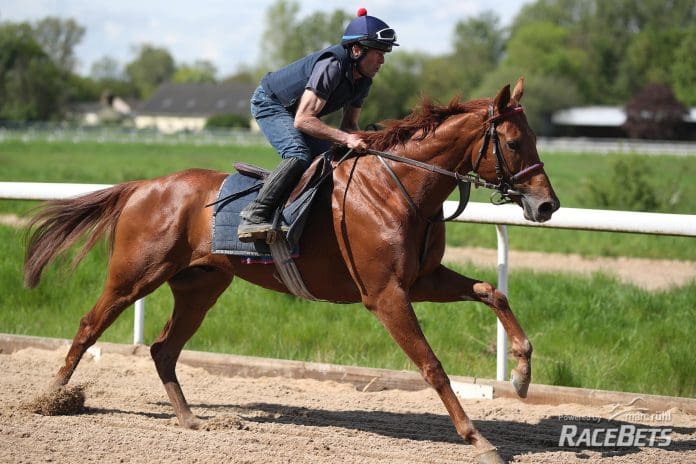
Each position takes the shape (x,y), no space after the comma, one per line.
(228,32)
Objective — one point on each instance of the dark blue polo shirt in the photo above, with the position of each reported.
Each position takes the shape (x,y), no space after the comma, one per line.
(338,90)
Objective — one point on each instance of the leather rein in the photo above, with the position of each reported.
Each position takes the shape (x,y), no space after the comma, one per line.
(506,181)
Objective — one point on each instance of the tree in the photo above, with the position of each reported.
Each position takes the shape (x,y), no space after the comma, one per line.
(58,38)
(649,58)
(546,49)
(280,42)
(286,38)
(201,71)
(395,90)
(31,86)
(545,54)
(654,113)
(319,30)
(152,67)
(106,68)
(683,72)
(568,14)
(478,47)
(480,38)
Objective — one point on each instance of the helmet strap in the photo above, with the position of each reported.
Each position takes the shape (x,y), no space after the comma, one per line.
(357,58)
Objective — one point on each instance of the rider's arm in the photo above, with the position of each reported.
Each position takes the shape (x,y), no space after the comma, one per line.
(351,116)
(307,121)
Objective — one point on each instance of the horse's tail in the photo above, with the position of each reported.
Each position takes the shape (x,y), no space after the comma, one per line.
(58,224)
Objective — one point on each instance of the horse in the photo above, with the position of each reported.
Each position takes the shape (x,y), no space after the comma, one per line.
(365,240)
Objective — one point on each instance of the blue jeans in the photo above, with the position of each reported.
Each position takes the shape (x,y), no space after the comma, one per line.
(277,124)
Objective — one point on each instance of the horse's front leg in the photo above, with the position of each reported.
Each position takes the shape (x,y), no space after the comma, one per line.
(393,308)
(445,285)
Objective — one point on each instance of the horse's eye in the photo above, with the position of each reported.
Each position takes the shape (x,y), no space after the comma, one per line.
(513,144)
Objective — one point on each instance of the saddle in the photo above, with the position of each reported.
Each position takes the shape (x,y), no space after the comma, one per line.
(242,187)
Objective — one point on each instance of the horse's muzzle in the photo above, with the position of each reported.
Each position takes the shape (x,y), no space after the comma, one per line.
(539,209)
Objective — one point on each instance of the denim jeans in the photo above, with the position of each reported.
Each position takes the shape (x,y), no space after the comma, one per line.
(277,124)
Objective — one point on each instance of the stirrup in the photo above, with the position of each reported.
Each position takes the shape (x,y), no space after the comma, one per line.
(264,231)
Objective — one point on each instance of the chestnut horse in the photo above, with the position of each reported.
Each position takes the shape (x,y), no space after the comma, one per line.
(365,241)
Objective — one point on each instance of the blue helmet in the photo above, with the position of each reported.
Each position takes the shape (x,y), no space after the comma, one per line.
(370,32)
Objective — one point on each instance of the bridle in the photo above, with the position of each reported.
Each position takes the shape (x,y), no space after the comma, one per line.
(506,181)
(501,191)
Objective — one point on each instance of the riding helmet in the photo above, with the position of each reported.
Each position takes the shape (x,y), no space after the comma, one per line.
(370,32)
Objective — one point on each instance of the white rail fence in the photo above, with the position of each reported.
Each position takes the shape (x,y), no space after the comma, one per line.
(565,218)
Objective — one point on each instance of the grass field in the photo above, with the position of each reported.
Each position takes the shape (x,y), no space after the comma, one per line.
(591,332)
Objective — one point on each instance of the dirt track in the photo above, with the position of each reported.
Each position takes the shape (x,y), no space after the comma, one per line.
(273,420)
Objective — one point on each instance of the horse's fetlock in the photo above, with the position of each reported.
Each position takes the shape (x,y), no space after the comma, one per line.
(522,349)
(500,301)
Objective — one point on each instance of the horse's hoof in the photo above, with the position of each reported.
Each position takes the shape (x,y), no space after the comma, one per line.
(520,383)
(490,457)
(192,423)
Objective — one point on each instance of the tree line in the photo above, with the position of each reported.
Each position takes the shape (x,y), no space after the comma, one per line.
(571,52)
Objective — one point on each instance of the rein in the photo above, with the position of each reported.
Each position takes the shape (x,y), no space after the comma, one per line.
(506,182)
(502,190)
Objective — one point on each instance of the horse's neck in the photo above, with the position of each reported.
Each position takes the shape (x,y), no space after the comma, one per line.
(449,147)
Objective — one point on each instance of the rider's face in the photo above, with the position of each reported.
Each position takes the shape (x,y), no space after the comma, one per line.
(369,65)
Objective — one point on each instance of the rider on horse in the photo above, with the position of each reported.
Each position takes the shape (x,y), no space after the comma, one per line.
(289,102)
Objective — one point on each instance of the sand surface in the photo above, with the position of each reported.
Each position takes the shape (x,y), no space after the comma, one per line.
(271,420)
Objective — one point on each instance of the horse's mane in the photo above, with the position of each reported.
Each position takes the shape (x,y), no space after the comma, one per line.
(425,118)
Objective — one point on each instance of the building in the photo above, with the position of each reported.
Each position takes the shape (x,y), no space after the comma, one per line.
(601,121)
(187,107)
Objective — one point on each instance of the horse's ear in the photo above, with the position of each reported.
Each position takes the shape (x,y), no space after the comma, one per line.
(518,90)
(502,99)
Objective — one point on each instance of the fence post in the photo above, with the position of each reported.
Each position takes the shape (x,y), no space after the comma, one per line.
(138,321)
(501,345)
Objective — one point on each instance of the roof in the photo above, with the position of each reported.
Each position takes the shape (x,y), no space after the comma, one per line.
(599,116)
(199,99)
(605,116)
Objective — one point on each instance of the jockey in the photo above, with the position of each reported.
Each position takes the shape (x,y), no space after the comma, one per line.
(289,102)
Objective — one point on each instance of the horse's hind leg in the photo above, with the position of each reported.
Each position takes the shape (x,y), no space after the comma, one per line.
(122,289)
(195,291)
(445,285)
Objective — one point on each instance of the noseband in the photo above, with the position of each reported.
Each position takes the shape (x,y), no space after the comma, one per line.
(506,180)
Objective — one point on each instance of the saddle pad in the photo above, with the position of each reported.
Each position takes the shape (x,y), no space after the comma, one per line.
(240,189)
(236,192)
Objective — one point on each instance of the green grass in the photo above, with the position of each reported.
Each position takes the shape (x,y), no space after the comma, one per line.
(591,332)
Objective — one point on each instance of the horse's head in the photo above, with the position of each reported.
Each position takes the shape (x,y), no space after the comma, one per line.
(508,157)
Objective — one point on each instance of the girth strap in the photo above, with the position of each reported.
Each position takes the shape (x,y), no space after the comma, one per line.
(287,270)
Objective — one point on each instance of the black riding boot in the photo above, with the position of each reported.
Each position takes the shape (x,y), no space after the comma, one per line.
(257,217)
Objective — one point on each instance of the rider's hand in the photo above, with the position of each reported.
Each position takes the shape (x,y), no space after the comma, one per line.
(355,142)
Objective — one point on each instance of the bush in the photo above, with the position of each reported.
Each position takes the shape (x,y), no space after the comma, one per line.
(627,187)
(227,120)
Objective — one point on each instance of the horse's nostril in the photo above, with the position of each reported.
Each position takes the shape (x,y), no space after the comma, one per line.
(546,208)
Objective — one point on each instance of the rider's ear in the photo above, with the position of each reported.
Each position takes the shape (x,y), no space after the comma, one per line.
(356,51)
(502,99)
